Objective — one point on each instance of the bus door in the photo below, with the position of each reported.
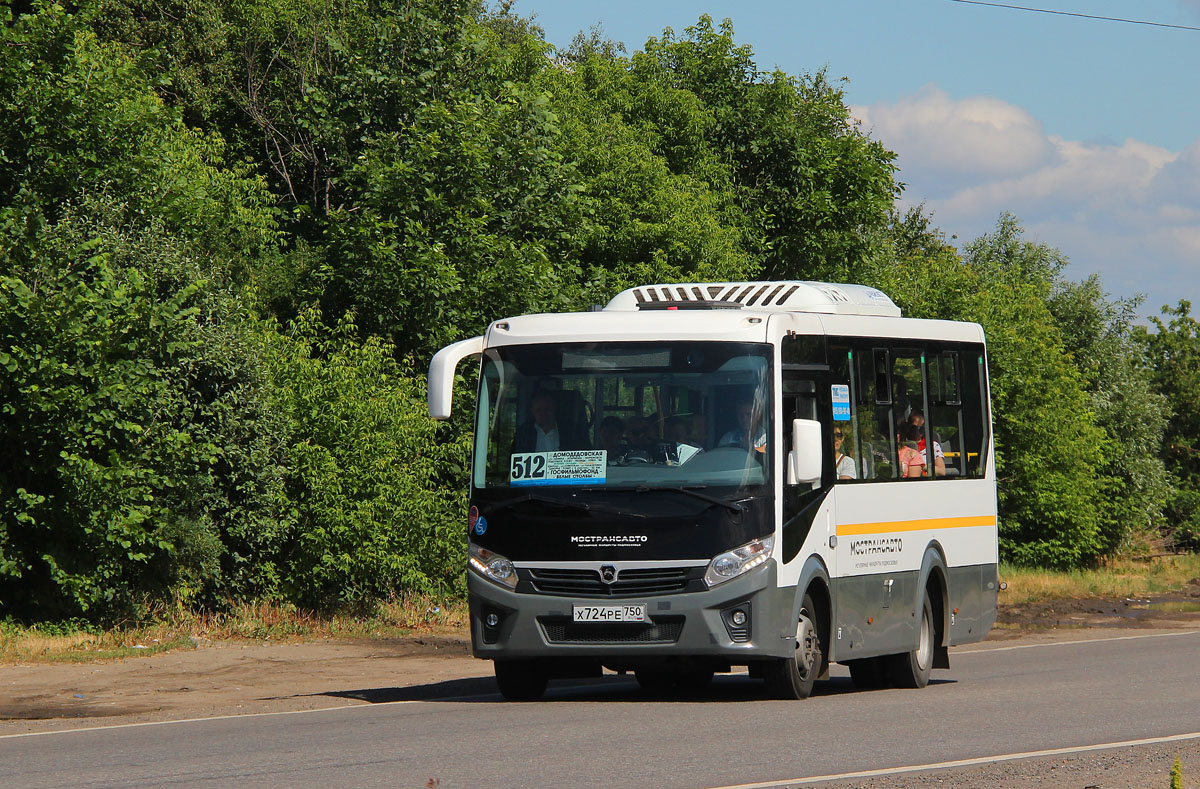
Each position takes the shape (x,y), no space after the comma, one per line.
(804,395)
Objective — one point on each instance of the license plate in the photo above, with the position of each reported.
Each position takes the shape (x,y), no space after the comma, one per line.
(608,613)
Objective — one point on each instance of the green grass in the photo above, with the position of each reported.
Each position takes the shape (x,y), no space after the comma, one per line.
(1118,578)
(78,641)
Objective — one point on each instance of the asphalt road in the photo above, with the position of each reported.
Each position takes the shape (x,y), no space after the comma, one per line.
(997,700)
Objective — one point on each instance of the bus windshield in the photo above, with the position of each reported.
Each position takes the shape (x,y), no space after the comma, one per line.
(674,414)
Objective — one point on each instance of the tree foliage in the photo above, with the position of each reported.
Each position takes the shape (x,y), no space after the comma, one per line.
(232,234)
(1172,353)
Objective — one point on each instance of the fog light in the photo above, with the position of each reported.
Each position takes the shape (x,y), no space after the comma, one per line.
(739,617)
(492,620)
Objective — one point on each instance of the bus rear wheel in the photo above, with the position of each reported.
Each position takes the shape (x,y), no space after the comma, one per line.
(793,677)
(520,680)
(911,669)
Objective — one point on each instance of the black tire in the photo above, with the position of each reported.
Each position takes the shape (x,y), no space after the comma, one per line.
(520,680)
(793,677)
(868,673)
(911,669)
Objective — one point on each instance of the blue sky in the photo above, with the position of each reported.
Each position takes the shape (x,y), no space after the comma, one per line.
(1087,130)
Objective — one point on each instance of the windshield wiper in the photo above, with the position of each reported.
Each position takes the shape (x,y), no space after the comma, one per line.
(578,505)
(691,491)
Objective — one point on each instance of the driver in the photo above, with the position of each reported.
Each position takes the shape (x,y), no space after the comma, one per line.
(748,434)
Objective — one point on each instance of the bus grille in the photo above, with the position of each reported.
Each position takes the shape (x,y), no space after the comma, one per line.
(561,630)
(636,582)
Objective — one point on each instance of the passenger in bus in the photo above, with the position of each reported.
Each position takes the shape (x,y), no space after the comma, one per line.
(612,428)
(912,464)
(843,463)
(681,446)
(677,429)
(939,457)
(641,445)
(541,432)
(748,434)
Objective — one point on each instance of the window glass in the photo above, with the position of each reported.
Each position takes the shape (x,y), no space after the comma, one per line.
(634,414)
(875,441)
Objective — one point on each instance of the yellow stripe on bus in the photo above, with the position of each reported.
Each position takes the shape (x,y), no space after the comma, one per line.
(849,529)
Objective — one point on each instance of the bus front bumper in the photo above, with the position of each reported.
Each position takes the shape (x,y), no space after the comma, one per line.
(690,624)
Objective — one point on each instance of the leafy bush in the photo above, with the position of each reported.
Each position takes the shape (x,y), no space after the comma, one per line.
(366,473)
(132,415)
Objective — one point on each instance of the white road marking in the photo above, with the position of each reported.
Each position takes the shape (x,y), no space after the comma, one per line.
(983,650)
(1007,757)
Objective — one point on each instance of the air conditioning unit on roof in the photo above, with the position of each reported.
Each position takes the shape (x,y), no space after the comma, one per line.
(790,296)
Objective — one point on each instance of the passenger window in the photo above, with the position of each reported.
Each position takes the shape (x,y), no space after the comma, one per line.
(975,415)
(875,446)
(946,413)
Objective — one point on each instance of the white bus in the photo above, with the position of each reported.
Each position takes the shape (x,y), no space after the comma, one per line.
(705,476)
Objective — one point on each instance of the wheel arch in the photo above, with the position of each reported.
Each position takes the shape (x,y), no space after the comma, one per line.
(814,582)
(934,581)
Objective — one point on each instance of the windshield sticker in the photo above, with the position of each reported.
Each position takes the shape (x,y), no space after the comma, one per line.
(481,525)
(581,467)
(841,402)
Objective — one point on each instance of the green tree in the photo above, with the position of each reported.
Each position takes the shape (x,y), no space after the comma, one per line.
(808,180)
(1172,352)
(1100,335)
(1049,449)
(648,209)
(137,439)
(84,116)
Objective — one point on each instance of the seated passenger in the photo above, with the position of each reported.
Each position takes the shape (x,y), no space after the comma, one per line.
(611,430)
(912,464)
(843,464)
(681,446)
(939,457)
(640,444)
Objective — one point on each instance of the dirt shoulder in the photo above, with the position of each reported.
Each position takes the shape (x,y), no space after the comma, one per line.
(216,679)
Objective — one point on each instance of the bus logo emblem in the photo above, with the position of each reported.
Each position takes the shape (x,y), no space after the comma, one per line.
(608,573)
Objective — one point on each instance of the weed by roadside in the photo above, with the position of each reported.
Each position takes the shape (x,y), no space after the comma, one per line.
(1117,578)
(76,640)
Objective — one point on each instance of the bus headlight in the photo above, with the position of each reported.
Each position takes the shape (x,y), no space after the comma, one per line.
(731,564)
(491,566)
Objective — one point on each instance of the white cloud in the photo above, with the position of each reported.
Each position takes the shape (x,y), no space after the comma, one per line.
(1129,211)
(955,142)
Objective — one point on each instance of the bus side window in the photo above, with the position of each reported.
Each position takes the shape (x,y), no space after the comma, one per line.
(799,402)
(946,411)
(974,412)
(876,445)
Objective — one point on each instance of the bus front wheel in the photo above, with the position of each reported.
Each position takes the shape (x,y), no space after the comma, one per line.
(793,677)
(520,680)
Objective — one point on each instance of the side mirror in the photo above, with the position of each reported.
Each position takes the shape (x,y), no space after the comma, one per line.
(441,374)
(806,458)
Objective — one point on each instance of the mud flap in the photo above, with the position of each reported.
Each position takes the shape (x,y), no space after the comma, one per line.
(941,657)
